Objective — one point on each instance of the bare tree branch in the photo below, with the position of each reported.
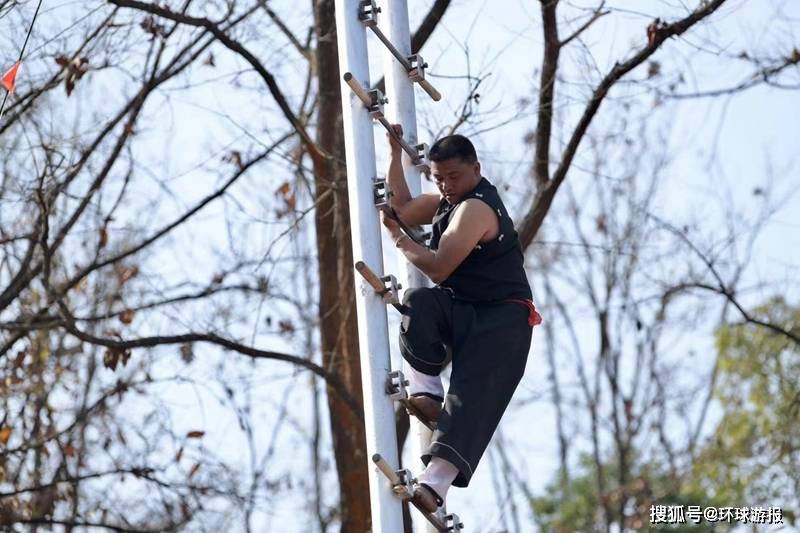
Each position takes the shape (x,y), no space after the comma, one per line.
(596,15)
(149,342)
(761,76)
(658,33)
(237,47)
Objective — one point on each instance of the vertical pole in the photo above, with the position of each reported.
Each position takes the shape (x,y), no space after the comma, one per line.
(373,334)
(401,109)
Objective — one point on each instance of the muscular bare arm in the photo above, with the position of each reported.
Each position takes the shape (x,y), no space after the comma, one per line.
(412,211)
(470,222)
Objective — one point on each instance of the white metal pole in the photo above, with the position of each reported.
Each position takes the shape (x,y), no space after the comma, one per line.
(373,335)
(401,109)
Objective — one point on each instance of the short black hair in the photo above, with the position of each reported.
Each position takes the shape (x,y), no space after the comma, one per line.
(453,147)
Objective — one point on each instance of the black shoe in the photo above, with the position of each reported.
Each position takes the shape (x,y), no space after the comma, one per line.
(425,408)
(426,498)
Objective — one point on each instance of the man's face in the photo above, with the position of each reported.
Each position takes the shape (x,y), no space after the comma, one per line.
(455,178)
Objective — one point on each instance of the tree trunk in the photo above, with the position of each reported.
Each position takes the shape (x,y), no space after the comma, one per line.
(337,307)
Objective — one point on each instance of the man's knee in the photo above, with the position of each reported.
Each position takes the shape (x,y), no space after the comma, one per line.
(420,336)
(418,297)
(421,315)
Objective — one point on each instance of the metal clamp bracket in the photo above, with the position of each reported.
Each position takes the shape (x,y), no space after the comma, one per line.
(396,384)
(389,294)
(377,99)
(417,71)
(381,192)
(422,162)
(405,485)
(391,289)
(453,522)
(368,13)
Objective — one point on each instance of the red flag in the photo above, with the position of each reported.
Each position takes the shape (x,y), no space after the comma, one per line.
(9,78)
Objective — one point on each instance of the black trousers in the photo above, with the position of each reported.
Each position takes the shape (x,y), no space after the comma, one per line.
(489,343)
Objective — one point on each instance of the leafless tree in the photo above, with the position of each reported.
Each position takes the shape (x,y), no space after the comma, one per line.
(84,299)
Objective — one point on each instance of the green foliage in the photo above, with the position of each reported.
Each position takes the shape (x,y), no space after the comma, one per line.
(751,458)
(577,506)
(754,453)
(571,506)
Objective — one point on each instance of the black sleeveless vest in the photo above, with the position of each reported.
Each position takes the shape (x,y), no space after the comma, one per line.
(493,270)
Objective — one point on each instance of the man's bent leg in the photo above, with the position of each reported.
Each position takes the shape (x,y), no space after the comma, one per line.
(490,353)
(425,329)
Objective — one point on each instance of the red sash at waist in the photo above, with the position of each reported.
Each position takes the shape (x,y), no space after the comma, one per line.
(534,318)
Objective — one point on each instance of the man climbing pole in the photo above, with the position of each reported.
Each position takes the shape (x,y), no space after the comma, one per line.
(479,314)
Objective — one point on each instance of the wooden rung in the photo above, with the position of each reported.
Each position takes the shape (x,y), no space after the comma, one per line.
(384,467)
(371,277)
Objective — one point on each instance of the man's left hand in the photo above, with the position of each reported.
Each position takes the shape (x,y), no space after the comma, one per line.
(391,224)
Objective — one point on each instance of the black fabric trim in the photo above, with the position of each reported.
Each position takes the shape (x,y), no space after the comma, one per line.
(439,500)
(428,395)
(447,453)
(417,363)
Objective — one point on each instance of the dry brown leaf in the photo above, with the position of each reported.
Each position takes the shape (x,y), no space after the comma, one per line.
(655,30)
(126,317)
(235,157)
(155,29)
(297,153)
(187,352)
(195,434)
(652,29)
(74,70)
(128,273)
(110,359)
(5,434)
(113,356)
(290,201)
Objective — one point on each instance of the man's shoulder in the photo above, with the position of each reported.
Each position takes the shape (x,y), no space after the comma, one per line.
(486,191)
(474,209)
(491,195)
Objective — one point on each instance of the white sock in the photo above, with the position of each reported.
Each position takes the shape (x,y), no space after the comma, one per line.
(439,475)
(419,382)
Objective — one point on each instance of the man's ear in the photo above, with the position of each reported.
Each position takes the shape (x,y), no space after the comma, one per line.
(477,167)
